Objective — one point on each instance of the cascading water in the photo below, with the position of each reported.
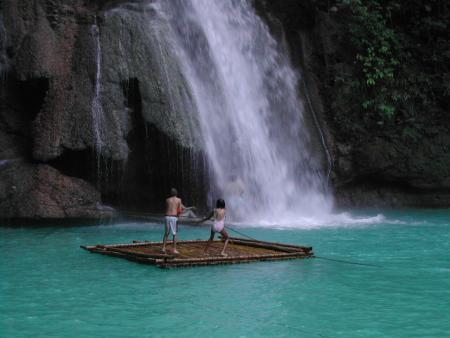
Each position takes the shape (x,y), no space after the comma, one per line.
(98,115)
(246,95)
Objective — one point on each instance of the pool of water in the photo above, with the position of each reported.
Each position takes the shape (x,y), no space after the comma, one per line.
(49,287)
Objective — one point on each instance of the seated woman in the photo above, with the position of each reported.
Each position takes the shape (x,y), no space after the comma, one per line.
(187,212)
(218,226)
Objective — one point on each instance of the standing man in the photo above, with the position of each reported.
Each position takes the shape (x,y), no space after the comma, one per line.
(174,207)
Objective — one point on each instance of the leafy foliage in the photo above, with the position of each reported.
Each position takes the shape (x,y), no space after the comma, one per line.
(401,54)
(377,52)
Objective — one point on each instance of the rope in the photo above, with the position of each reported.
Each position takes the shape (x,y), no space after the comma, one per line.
(320,257)
(84,207)
(348,262)
(240,233)
(319,129)
(111,209)
(237,232)
(148,214)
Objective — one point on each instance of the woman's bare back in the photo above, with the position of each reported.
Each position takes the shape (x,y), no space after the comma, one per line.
(219,214)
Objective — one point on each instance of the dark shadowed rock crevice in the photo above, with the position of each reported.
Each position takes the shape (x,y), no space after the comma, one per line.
(18,109)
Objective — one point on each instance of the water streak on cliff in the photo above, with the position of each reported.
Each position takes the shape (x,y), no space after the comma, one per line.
(98,115)
(3,55)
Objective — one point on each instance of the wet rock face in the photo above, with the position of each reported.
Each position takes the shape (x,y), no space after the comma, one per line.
(52,41)
(135,50)
(420,165)
(85,51)
(295,15)
(69,69)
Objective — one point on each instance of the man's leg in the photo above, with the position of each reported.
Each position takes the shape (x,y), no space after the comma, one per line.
(166,234)
(224,235)
(175,251)
(175,239)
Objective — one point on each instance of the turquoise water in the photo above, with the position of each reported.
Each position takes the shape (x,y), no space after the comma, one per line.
(49,287)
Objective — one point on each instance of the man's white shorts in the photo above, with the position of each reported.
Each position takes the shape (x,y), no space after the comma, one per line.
(171,224)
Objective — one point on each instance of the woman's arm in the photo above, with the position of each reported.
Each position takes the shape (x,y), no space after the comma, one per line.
(206,218)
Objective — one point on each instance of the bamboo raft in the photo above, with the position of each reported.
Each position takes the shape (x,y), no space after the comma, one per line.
(239,250)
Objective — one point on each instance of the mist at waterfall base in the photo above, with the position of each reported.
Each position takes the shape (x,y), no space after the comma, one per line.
(252,120)
(52,288)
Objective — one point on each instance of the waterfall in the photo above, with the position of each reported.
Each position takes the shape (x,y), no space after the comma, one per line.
(246,94)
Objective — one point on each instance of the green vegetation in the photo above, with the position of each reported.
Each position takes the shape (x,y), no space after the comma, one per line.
(401,75)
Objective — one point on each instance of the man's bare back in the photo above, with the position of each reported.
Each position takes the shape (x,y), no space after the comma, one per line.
(173,206)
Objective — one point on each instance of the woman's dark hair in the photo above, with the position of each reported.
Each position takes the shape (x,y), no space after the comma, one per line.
(220,204)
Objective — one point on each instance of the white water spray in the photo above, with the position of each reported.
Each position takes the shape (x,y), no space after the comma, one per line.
(246,94)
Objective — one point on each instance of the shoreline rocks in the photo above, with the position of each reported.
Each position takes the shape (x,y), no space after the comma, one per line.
(40,191)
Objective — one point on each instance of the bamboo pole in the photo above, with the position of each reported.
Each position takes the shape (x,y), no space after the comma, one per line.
(235,258)
(178,242)
(267,246)
(180,265)
(274,243)
(140,254)
(226,260)
(122,255)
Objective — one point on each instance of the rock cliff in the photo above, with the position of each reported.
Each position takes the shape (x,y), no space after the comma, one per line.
(86,96)
(95,109)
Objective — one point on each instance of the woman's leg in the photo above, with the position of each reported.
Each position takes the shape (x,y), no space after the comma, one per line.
(224,235)
(211,238)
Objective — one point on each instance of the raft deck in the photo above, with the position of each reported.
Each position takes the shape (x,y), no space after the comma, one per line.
(239,250)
